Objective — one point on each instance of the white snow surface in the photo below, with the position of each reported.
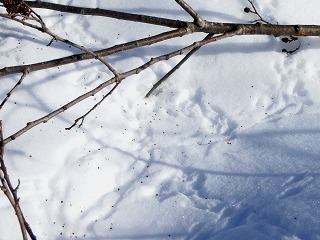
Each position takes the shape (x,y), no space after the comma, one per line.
(227,148)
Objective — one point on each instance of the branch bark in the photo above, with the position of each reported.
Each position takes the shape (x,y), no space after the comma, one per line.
(108,13)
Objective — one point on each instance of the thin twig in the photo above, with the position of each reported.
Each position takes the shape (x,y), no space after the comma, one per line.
(165,77)
(255,11)
(25,72)
(94,107)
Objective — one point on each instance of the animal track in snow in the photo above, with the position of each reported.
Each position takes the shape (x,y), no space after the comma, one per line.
(193,186)
(208,122)
(294,185)
(290,94)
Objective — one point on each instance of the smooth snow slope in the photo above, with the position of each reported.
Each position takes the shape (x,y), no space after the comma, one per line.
(228,148)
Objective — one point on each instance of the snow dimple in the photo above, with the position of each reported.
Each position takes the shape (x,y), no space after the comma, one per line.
(187,118)
(295,185)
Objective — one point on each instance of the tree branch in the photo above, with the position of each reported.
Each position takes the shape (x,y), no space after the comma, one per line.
(209,27)
(94,107)
(43,28)
(25,72)
(116,79)
(197,18)
(104,52)
(165,77)
(108,13)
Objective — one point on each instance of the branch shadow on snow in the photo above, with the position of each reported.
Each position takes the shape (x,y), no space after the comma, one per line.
(269,140)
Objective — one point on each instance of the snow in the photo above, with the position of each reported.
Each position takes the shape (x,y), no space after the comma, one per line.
(227,148)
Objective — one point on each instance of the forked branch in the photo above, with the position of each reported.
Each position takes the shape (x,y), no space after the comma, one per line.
(175,68)
(197,18)
(119,78)
(81,119)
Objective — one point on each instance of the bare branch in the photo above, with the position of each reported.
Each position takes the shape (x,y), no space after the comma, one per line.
(45,29)
(165,77)
(105,52)
(247,29)
(108,13)
(94,107)
(197,18)
(210,27)
(25,72)
(116,79)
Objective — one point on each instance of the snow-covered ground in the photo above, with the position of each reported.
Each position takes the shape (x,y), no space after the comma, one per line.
(228,148)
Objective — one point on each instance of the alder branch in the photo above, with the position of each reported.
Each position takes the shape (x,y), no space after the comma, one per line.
(11,193)
(118,78)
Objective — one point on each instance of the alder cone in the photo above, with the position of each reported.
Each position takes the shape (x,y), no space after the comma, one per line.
(16,6)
